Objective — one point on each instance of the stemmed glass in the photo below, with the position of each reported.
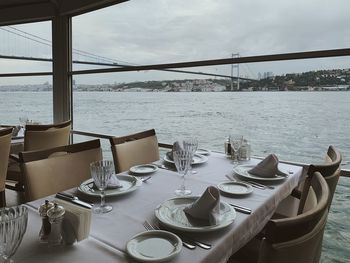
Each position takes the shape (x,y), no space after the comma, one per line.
(101,172)
(191,145)
(23,120)
(236,143)
(182,159)
(13,225)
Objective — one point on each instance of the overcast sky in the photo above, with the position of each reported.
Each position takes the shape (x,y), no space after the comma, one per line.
(162,31)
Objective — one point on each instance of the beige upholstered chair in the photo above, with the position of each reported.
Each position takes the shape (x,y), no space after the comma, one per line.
(330,170)
(40,137)
(134,149)
(37,137)
(298,201)
(294,239)
(5,144)
(47,172)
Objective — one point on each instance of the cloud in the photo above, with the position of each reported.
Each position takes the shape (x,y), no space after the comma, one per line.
(162,31)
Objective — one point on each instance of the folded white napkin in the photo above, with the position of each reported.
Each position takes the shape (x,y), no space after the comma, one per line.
(178,145)
(76,223)
(113,182)
(206,207)
(267,167)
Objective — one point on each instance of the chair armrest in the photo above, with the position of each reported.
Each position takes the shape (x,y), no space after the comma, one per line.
(14,157)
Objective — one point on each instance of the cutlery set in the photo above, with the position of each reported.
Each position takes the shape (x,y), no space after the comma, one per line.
(73,199)
(242,209)
(162,166)
(252,183)
(187,241)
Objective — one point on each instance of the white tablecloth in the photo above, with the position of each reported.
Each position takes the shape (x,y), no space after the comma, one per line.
(110,232)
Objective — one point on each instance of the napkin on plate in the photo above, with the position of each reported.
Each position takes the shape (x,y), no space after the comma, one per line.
(206,207)
(178,145)
(113,182)
(267,167)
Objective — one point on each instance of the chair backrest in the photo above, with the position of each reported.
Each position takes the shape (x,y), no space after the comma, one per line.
(299,238)
(134,149)
(57,169)
(330,170)
(5,145)
(40,137)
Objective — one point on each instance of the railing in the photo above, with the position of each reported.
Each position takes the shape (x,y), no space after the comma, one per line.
(107,137)
(344,172)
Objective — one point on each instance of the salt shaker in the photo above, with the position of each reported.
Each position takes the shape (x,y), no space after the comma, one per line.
(45,226)
(56,215)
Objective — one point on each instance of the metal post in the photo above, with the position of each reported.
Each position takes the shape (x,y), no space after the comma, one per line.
(237,74)
(232,66)
(232,75)
(61,66)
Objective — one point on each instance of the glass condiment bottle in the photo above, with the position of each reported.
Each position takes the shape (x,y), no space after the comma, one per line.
(244,151)
(56,215)
(227,145)
(45,225)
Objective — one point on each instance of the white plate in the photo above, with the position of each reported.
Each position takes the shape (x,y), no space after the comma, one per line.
(203,152)
(235,188)
(154,246)
(197,159)
(143,169)
(171,214)
(128,184)
(242,170)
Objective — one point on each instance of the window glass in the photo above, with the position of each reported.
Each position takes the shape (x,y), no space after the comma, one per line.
(24,46)
(27,96)
(187,30)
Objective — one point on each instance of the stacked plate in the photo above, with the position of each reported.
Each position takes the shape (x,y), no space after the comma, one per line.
(143,169)
(170,213)
(242,170)
(154,246)
(128,184)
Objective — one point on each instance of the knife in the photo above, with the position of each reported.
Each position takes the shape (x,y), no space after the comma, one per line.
(256,185)
(261,185)
(242,209)
(73,199)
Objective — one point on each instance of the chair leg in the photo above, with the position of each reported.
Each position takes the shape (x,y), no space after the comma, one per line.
(2,199)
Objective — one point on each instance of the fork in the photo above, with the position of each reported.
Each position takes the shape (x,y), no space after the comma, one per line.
(145,179)
(149,227)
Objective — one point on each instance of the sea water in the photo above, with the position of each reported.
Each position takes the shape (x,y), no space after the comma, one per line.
(297,126)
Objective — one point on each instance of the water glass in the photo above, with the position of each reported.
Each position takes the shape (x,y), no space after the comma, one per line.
(101,172)
(23,120)
(182,159)
(191,145)
(13,225)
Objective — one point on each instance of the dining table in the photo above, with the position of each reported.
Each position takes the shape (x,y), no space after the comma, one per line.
(110,232)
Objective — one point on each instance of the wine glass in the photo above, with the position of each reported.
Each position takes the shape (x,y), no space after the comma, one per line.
(101,172)
(236,143)
(23,120)
(182,159)
(191,145)
(13,225)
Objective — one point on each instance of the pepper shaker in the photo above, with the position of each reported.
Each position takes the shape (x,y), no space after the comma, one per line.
(227,145)
(56,215)
(45,226)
